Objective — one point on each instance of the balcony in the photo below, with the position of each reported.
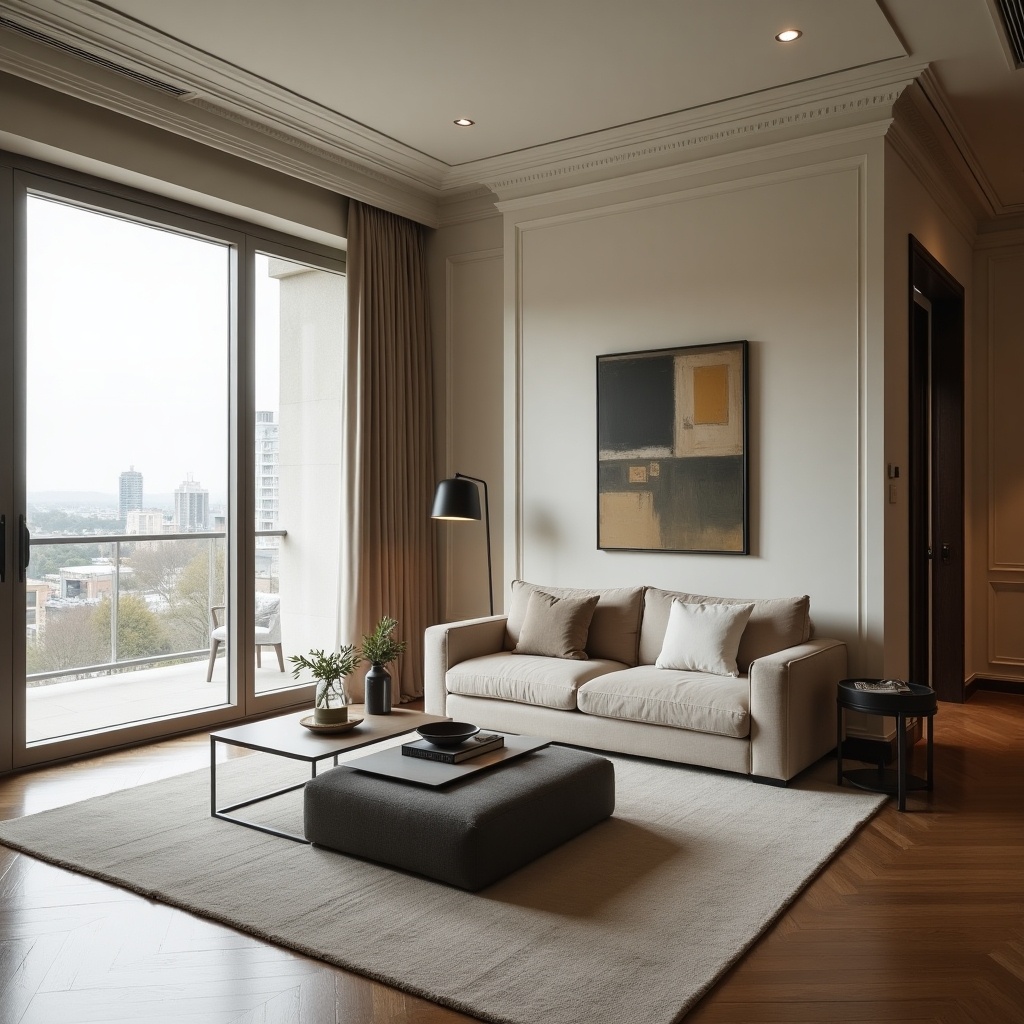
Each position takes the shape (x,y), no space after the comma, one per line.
(118,628)
(89,704)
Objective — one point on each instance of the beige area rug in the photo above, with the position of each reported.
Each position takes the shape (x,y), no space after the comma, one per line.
(630,923)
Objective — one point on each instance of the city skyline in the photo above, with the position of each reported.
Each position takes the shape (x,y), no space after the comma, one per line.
(131,366)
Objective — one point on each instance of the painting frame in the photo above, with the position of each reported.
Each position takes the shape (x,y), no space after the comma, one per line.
(673,450)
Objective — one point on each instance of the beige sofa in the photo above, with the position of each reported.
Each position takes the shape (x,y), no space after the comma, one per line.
(770,722)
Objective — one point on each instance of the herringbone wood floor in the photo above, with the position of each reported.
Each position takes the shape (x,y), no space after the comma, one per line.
(920,918)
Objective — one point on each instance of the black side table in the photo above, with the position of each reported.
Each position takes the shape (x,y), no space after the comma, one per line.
(920,702)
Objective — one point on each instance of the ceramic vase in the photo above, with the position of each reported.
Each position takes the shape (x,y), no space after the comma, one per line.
(378,690)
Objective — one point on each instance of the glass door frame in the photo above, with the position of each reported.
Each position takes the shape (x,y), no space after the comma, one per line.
(20,177)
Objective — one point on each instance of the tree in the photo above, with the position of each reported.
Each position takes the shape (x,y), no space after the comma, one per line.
(70,640)
(190,602)
(51,558)
(156,566)
(140,633)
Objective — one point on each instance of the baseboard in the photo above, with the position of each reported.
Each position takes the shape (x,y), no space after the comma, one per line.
(994,685)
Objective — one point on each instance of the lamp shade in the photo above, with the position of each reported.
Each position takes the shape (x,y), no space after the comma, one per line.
(457,498)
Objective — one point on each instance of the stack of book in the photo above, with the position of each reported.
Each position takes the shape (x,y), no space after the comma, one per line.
(476,745)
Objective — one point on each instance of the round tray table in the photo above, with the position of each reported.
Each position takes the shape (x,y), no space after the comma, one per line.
(920,702)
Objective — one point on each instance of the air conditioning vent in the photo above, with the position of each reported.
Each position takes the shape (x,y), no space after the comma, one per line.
(138,76)
(1012,12)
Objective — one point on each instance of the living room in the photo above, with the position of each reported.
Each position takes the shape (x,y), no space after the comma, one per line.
(780,215)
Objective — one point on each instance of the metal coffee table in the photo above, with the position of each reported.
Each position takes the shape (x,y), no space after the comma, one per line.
(285,737)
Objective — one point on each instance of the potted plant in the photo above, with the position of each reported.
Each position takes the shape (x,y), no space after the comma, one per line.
(380,648)
(330,706)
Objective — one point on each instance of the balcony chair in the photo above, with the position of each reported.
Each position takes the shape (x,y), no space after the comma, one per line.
(268,630)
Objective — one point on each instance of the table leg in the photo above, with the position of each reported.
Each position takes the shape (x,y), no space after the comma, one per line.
(213,776)
(931,748)
(839,745)
(901,756)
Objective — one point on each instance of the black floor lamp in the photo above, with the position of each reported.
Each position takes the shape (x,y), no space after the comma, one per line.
(458,499)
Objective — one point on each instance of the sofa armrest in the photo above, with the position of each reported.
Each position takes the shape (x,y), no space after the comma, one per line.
(793,707)
(449,643)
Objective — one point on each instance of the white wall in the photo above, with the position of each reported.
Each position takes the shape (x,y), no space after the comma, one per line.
(465,266)
(313,311)
(788,257)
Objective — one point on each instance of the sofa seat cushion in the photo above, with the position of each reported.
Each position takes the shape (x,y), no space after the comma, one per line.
(680,700)
(526,679)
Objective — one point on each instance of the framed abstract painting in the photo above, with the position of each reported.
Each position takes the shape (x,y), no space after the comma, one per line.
(672,450)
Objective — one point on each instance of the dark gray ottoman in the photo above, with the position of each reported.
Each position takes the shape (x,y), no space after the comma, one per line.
(468,833)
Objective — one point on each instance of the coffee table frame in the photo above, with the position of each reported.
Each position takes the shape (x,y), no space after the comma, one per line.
(285,737)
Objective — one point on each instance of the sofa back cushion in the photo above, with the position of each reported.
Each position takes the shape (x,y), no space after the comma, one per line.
(556,627)
(614,629)
(774,624)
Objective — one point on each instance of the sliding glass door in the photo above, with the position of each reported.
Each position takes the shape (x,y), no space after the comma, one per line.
(168,519)
(126,452)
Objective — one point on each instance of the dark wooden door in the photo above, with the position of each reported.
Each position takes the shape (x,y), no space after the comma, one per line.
(936,477)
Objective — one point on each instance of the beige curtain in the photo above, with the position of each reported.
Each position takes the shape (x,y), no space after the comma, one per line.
(387,544)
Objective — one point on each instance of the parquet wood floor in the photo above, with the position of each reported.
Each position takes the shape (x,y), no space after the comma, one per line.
(919,919)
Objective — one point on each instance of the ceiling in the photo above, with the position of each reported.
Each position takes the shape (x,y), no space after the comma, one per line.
(537,74)
(528,72)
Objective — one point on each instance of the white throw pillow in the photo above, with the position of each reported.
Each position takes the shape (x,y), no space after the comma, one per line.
(703,637)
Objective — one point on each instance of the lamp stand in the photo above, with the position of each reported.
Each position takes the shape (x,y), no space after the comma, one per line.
(487,530)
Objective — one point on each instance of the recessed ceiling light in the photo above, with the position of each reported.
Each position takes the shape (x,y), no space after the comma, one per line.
(789,35)
(463,122)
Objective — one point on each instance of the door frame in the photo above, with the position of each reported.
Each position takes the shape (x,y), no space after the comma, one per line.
(943,439)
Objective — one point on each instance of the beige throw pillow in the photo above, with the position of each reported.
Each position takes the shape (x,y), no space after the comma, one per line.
(704,637)
(556,627)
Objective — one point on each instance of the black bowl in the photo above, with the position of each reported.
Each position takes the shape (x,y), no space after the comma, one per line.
(448,734)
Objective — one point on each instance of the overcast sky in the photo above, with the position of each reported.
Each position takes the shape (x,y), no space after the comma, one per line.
(128,353)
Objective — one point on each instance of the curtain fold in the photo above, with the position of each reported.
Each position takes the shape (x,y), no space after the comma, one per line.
(387,564)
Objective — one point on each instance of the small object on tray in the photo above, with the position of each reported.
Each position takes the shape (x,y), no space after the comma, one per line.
(310,723)
(881,686)
(476,745)
(447,734)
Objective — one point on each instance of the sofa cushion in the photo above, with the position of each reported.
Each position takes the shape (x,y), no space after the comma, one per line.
(774,624)
(703,637)
(548,682)
(614,629)
(556,627)
(681,700)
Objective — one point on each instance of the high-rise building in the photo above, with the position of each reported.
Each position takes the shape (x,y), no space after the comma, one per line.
(146,521)
(191,507)
(267,480)
(129,492)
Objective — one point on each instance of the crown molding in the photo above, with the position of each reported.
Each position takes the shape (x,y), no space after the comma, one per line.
(790,112)
(920,138)
(237,112)
(221,105)
(227,88)
(723,168)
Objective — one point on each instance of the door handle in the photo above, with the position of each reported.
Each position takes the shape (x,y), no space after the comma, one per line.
(23,548)
(3,549)
(945,553)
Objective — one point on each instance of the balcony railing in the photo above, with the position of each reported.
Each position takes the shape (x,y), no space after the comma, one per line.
(117,543)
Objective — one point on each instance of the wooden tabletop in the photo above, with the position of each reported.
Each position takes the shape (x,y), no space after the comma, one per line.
(284,735)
